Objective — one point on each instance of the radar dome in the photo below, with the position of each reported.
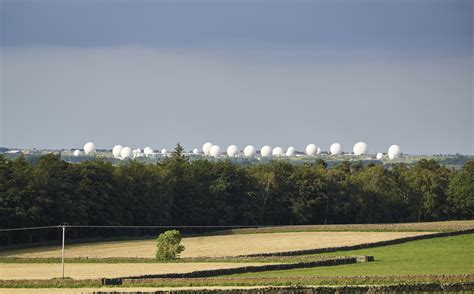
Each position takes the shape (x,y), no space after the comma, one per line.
(206,148)
(335,149)
(379,156)
(232,150)
(164,151)
(249,151)
(266,151)
(126,152)
(195,151)
(311,149)
(360,148)
(215,151)
(277,151)
(116,150)
(290,151)
(392,156)
(395,150)
(148,151)
(77,152)
(89,148)
(318,151)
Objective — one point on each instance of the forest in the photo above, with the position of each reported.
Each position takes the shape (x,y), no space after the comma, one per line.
(208,192)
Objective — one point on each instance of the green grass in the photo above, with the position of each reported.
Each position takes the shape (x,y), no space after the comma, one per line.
(447,255)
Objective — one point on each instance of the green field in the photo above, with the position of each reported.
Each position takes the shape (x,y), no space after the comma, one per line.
(448,255)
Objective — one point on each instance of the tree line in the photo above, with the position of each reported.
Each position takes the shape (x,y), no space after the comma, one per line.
(203,192)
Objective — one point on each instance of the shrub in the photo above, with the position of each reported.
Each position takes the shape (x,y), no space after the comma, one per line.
(168,245)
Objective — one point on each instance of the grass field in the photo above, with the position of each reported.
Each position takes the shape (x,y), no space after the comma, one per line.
(448,255)
(215,246)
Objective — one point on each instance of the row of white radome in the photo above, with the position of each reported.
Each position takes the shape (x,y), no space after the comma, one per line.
(209,149)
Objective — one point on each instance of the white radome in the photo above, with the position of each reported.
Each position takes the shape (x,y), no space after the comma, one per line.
(126,152)
(89,148)
(249,151)
(290,151)
(360,148)
(206,148)
(232,150)
(164,151)
(379,156)
(335,149)
(266,151)
(277,151)
(148,151)
(395,150)
(392,156)
(138,150)
(215,151)
(77,152)
(195,151)
(318,151)
(116,150)
(311,149)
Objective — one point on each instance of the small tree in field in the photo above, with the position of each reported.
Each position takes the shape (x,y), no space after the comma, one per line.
(168,247)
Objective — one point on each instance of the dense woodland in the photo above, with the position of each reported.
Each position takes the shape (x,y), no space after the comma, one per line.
(203,192)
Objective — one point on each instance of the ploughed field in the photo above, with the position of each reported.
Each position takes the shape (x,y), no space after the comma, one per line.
(215,246)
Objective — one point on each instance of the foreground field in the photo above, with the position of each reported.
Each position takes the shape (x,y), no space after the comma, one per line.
(216,246)
(15,271)
(448,255)
(439,260)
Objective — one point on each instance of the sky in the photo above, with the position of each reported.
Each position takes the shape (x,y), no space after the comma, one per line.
(154,73)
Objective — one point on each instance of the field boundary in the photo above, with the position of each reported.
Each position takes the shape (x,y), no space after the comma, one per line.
(309,281)
(396,288)
(360,246)
(240,270)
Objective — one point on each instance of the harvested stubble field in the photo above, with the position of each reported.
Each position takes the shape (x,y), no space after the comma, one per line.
(215,246)
(19,271)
